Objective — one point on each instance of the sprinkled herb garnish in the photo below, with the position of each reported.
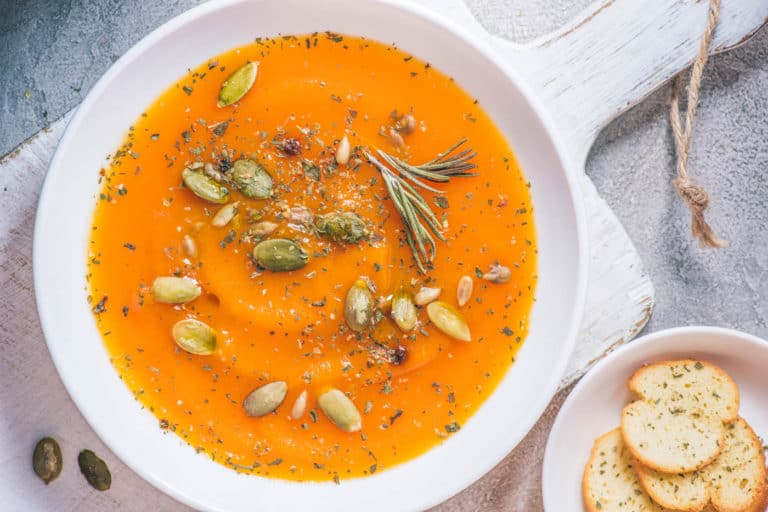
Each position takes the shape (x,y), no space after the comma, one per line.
(452,427)
(101,306)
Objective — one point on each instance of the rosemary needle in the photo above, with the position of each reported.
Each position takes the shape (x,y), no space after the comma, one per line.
(421,224)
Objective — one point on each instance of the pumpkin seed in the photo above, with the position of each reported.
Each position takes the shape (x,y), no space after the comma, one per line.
(464,290)
(341,227)
(194,336)
(280,255)
(189,246)
(404,310)
(425,295)
(265,399)
(204,187)
(175,290)
(225,214)
(46,459)
(358,306)
(498,274)
(299,406)
(343,151)
(94,470)
(238,84)
(447,319)
(340,410)
(252,179)
(298,215)
(262,228)
(405,124)
(395,138)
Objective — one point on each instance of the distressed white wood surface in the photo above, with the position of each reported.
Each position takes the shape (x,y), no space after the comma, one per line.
(586,74)
(619,292)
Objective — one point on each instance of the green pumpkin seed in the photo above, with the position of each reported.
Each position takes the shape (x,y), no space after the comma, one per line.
(280,255)
(404,310)
(252,179)
(358,306)
(425,295)
(46,459)
(194,336)
(94,470)
(447,319)
(175,290)
(340,410)
(265,399)
(238,84)
(204,187)
(341,227)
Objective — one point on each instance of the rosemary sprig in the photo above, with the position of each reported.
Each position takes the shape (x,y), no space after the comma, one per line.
(421,223)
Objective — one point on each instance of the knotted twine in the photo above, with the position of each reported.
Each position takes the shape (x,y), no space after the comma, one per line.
(694,195)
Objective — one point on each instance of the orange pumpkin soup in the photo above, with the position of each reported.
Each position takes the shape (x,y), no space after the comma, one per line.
(283,278)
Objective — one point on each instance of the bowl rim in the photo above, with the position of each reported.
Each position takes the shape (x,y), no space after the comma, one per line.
(482,46)
(627,351)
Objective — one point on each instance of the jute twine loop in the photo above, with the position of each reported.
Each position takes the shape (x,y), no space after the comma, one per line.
(693,194)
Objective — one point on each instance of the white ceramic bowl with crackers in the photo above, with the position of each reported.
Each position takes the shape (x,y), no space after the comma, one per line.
(595,405)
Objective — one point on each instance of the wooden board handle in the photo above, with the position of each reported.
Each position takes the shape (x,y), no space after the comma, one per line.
(620,51)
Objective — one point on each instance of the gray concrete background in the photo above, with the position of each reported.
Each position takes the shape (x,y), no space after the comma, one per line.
(56,49)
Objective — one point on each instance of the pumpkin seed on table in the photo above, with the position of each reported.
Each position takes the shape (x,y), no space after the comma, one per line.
(464,290)
(194,336)
(341,410)
(237,84)
(299,406)
(448,320)
(358,306)
(225,214)
(175,290)
(345,227)
(94,470)
(265,399)
(252,179)
(46,459)
(425,295)
(204,187)
(404,310)
(280,255)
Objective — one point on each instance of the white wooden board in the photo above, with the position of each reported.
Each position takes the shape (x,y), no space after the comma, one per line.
(587,73)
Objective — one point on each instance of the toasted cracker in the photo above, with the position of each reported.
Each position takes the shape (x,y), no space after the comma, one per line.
(610,483)
(679,421)
(734,482)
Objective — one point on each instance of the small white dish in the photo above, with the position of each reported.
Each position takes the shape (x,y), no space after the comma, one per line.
(594,406)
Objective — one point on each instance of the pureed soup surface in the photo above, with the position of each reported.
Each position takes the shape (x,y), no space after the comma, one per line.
(413,388)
